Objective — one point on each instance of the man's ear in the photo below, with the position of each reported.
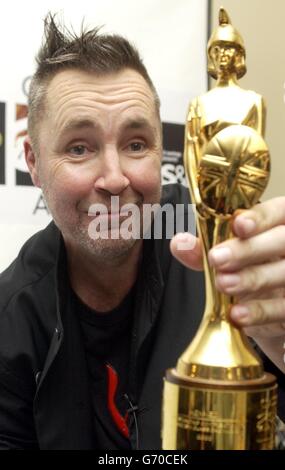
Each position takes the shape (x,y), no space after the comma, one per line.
(31,161)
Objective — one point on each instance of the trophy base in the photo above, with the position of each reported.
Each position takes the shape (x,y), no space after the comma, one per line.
(199,414)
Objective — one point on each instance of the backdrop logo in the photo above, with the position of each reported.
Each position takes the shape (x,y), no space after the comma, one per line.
(22,175)
(2,143)
(12,134)
(21,123)
(172,170)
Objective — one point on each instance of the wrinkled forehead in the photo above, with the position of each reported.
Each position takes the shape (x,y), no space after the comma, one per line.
(126,86)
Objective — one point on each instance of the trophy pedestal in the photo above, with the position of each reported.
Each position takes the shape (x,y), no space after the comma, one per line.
(218,415)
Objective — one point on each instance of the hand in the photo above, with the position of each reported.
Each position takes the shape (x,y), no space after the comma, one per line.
(251,267)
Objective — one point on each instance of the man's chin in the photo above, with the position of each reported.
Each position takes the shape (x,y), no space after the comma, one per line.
(104,248)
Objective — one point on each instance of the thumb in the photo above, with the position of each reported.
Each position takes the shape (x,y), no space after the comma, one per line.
(187,249)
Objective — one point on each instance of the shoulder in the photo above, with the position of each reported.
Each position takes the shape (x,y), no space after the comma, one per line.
(27,306)
(35,260)
(176,203)
(176,215)
(28,294)
(175,194)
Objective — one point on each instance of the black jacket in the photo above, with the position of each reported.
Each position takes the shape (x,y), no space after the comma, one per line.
(44,393)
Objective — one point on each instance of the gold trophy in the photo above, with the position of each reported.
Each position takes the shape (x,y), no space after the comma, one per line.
(219,397)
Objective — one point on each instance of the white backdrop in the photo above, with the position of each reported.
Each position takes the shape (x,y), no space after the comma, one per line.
(171,36)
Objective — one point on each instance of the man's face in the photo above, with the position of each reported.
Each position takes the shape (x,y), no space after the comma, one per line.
(100,138)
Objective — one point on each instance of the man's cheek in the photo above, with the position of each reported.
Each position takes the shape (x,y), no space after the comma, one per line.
(150,188)
(62,202)
(150,177)
(153,182)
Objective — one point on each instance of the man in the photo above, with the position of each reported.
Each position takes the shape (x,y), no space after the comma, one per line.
(88,327)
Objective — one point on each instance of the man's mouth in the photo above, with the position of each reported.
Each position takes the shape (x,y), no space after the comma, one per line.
(124,211)
(110,214)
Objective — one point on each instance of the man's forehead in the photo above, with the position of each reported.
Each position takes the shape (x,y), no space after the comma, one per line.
(74,97)
(112,82)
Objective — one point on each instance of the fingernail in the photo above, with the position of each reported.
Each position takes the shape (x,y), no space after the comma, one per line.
(219,256)
(182,237)
(185,241)
(248,225)
(239,312)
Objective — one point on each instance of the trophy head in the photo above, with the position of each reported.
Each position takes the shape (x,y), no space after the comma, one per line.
(234,170)
(226,50)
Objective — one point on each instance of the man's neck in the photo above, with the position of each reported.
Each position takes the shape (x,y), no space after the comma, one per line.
(102,284)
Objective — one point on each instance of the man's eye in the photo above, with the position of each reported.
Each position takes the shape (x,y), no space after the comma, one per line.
(137,146)
(78,150)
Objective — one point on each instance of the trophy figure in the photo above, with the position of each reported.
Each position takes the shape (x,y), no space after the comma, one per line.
(219,397)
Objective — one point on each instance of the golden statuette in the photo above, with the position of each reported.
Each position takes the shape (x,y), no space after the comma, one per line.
(219,397)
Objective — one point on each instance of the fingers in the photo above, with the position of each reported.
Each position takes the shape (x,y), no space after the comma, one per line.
(251,266)
(235,254)
(259,312)
(269,331)
(187,249)
(253,280)
(260,218)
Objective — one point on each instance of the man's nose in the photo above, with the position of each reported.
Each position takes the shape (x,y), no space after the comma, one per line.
(111,177)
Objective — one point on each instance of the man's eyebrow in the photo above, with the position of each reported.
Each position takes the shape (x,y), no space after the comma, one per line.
(138,123)
(85,123)
(77,124)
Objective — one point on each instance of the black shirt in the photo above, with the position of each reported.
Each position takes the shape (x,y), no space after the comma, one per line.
(107,339)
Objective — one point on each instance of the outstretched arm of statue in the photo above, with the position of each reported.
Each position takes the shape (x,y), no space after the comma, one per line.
(192,150)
